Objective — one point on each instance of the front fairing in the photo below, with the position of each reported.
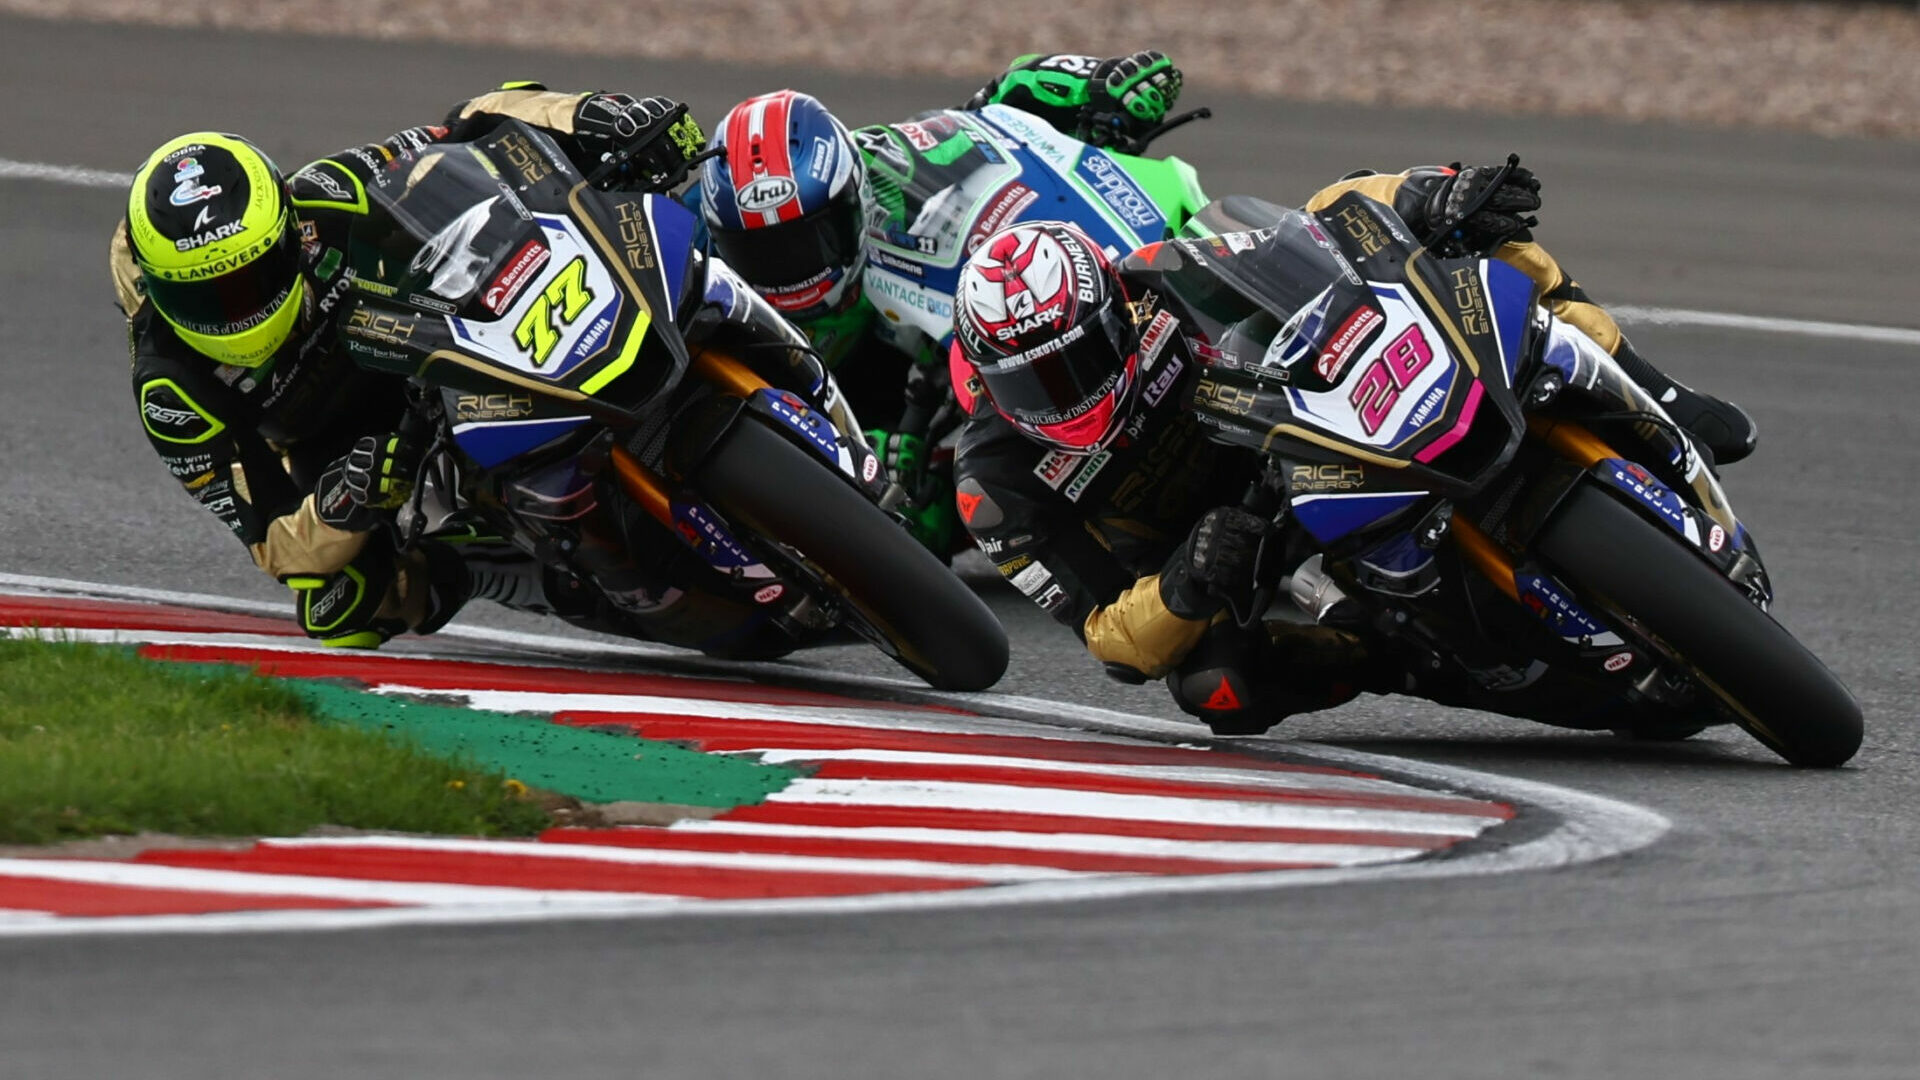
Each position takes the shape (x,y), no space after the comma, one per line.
(1333,339)
(491,267)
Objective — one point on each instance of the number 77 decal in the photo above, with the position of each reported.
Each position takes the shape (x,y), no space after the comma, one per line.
(561,302)
(1389,375)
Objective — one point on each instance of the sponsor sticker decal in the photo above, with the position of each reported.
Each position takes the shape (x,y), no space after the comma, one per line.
(1716,538)
(1618,661)
(1163,382)
(1033,580)
(1346,342)
(769,594)
(1054,468)
(1087,472)
(766,192)
(519,270)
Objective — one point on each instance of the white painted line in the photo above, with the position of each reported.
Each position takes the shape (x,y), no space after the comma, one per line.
(1224,774)
(947,794)
(794,864)
(1074,843)
(64,174)
(1654,316)
(192,879)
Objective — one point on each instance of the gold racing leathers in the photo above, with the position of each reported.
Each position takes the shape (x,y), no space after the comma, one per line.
(249,444)
(1086,536)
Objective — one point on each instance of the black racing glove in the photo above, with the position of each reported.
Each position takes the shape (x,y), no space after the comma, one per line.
(1128,97)
(380,469)
(653,137)
(335,505)
(1480,207)
(1217,562)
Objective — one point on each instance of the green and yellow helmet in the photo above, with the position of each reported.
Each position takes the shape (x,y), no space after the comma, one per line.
(214,235)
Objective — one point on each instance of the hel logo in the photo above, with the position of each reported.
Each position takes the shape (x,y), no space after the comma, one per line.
(769,594)
(1055,467)
(1716,538)
(1021,279)
(1618,661)
(766,192)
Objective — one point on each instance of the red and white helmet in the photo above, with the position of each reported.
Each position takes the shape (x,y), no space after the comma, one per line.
(1040,315)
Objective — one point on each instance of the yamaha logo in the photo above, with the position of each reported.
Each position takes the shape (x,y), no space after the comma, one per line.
(766,192)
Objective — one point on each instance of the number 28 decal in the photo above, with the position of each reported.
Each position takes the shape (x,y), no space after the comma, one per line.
(1390,374)
(561,302)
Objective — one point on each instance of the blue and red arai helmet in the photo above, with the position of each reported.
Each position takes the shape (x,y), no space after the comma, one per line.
(786,203)
(1041,317)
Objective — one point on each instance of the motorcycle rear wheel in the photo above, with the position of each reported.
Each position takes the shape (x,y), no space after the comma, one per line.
(1776,689)
(940,630)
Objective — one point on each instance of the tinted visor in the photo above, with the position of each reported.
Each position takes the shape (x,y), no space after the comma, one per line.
(236,301)
(792,252)
(1062,379)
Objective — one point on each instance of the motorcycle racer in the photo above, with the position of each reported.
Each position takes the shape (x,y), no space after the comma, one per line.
(1102,499)
(857,236)
(232,280)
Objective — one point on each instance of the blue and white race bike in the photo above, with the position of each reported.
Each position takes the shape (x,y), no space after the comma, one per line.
(608,399)
(1480,489)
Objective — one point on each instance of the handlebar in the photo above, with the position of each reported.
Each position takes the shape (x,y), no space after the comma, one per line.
(1138,144)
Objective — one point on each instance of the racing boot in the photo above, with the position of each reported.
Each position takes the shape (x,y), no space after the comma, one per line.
(1725,429)
(1243,682)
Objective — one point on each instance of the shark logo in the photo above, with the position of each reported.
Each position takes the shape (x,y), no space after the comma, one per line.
(1019,280)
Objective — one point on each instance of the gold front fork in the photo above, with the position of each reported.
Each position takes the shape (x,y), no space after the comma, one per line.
(1571,441)
(643,485)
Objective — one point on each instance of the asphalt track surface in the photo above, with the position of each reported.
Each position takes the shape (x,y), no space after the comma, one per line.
(1770,934)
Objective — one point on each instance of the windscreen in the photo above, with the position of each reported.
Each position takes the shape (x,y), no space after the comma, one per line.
(440,222)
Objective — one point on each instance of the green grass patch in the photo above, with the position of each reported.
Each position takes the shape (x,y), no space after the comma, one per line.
(95,741)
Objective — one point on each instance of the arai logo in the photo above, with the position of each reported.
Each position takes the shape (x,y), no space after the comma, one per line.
(765,193)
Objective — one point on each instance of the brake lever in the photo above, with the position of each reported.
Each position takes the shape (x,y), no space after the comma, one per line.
(1138,145)
(1486,193)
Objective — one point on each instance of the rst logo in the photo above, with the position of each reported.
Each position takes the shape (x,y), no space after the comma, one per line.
(766,192)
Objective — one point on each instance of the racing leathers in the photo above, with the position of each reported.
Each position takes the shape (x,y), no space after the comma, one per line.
(254,445)
(1101,541)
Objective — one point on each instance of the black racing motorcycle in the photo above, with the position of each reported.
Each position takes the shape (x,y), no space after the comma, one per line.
(1480,487)
(605,396)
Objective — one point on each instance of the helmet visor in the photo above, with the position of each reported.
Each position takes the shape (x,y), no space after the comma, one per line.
(1068,389)
(791,253)
(236,301)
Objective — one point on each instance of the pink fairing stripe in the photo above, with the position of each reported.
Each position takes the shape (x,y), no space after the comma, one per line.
(1438,446)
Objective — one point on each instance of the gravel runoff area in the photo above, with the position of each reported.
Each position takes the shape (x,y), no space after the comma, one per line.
(1833,68)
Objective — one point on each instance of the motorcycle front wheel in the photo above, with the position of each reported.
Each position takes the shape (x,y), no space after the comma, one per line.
(938,628)
(1775,689)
